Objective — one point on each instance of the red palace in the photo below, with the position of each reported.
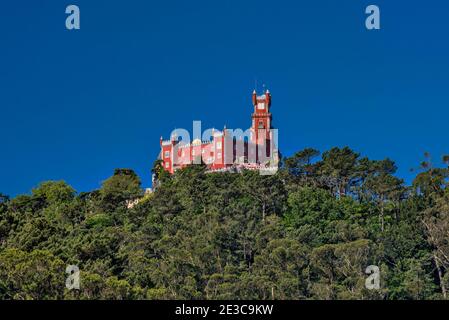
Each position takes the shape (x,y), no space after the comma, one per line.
(229,150)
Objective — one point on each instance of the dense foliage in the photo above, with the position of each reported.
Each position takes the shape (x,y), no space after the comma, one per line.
(308,232)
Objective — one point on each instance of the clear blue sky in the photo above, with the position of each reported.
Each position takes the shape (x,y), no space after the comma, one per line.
(77,104)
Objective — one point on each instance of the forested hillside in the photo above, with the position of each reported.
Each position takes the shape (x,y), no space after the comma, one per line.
(308,232)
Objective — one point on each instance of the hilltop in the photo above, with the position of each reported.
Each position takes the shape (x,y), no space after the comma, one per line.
(307,232)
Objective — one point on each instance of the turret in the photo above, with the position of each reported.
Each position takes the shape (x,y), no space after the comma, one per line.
(268,97)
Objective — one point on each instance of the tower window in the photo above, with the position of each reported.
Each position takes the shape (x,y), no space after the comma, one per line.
(167,154)
(261,125)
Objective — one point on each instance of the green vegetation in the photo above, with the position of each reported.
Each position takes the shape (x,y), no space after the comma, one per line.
(308,232)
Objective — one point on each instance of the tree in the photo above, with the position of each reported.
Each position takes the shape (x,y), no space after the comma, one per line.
(300,166)
(35,275)
(160,174)
(123,186)
(54,192)
(3,199)
(283,266)
(339,269)
(338,168)
(383,187)
(431,179)
(267,190)
(436,222)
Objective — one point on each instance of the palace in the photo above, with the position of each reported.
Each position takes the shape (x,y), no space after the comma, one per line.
(229,150)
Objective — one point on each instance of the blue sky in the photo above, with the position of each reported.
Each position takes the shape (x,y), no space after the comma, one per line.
(77,104)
